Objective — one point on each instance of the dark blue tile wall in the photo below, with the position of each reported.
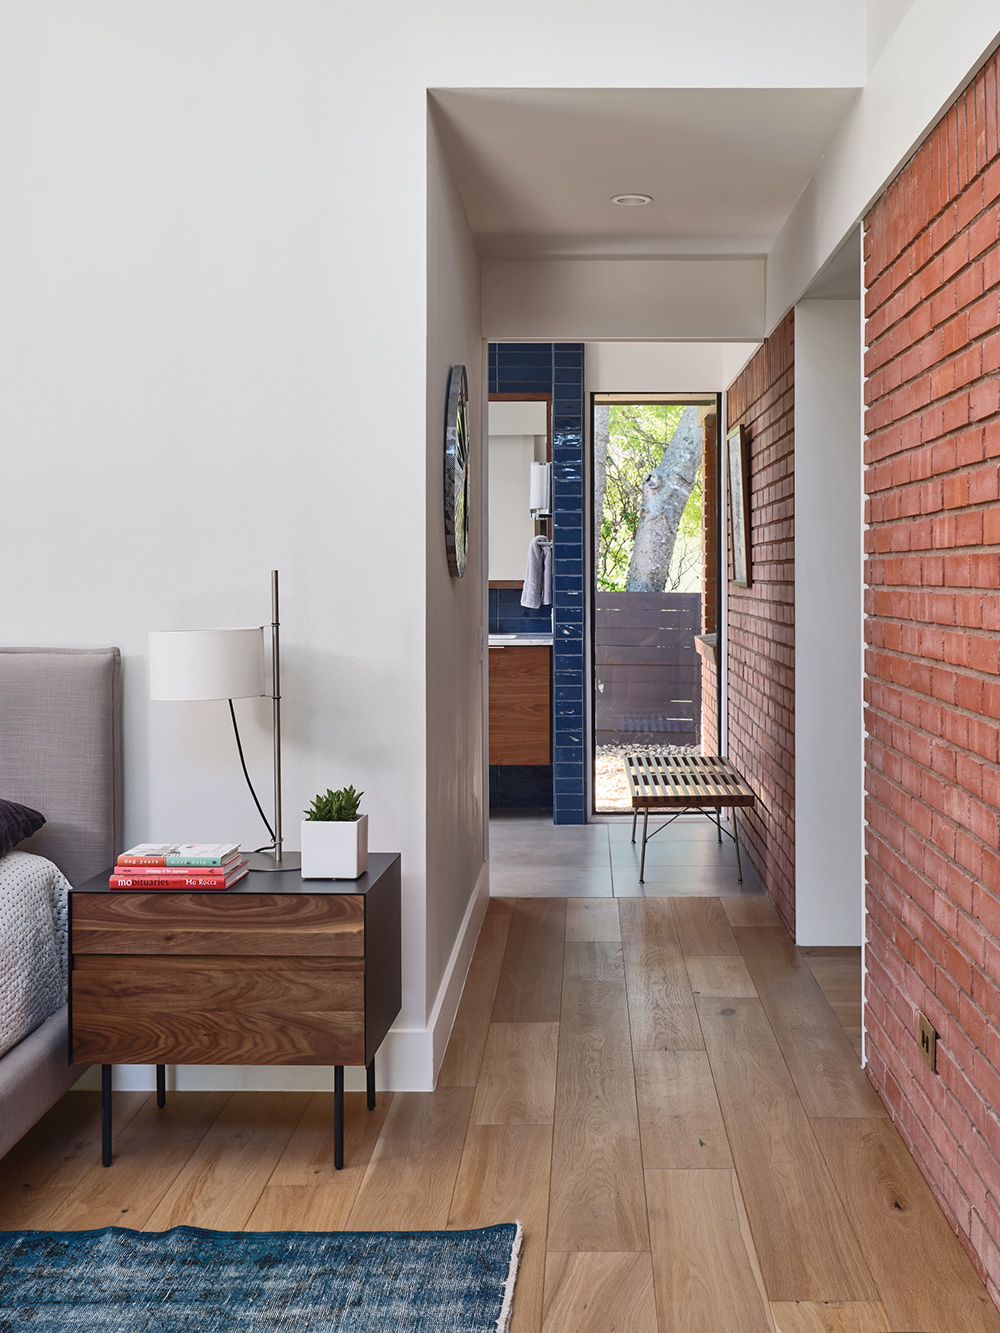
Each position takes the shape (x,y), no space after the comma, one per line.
(521,787)
(508,616)
(557,368)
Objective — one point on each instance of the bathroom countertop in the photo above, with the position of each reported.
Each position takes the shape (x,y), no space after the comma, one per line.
(520,640)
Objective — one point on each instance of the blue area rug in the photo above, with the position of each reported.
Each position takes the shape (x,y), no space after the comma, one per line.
(121,1281)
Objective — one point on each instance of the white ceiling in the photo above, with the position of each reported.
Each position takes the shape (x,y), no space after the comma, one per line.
(537,167)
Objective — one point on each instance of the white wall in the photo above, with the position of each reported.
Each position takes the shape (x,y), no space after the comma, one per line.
(214,351)
(455,608)
(593,299)
(664,367)
(924,64)
(511,525)
(829,805)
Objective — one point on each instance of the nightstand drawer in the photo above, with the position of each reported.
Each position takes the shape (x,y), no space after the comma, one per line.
(222,1010)
(318,925)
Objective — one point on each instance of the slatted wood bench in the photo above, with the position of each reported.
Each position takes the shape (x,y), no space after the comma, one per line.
(684,782)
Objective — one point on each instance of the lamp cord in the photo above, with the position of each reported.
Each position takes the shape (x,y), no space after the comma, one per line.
(239,746)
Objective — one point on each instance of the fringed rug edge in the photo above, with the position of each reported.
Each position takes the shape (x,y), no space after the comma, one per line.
(508,1290)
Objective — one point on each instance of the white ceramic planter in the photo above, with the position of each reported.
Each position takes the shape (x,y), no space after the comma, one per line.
(334,850)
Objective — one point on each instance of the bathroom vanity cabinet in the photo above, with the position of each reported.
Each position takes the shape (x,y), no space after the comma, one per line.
(520,703)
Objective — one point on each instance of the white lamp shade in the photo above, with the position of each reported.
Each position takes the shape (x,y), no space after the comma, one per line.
(206,663)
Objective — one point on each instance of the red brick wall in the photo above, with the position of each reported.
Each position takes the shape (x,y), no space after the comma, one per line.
(761,665)
(932,270)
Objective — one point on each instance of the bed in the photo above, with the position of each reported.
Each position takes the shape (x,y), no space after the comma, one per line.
(60,753)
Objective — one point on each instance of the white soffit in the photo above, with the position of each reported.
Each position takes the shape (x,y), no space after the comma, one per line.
(537,167)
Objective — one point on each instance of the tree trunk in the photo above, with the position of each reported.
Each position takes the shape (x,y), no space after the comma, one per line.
(665,492)
(602,428)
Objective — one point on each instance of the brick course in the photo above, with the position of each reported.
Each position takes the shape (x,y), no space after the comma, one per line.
(761,623)
(932,692)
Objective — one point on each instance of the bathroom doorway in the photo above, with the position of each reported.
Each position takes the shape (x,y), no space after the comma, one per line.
(653,590)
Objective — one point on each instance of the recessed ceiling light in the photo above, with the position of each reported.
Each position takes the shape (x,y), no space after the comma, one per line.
(631,200)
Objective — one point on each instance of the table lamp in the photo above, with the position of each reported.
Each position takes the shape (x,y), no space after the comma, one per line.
(227,664)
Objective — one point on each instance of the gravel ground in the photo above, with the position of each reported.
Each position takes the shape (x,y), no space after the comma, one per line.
(610,782)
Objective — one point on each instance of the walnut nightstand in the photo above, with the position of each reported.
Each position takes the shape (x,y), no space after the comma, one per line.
(278,970)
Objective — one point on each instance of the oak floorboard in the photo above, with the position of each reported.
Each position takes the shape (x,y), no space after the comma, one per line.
(804,1241)
(723,975)
(152,1150)
(839,974)
(410,1179)
(598,1293)
(517,1080)
(597,1198)
(680,1122)
(925,1279)
(460,1067)
(662,1014)
(704,1275)
(752,909)
(703,928)
(819,1055)
(504,1177)
(305,1191)
(220,1183)
(594,960)
(529,987)
(592,919)
(58,1151)
(828,1317)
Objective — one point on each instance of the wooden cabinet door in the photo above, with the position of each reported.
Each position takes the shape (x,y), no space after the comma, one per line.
(520,704)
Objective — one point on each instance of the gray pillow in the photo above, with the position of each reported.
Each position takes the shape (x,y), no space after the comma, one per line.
(17,822)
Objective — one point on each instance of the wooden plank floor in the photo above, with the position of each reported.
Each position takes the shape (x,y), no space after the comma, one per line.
(664,1091)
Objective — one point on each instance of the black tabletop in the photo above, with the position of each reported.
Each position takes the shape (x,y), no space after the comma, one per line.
(268,881)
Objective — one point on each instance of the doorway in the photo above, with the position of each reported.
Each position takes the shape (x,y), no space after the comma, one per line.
(653,571)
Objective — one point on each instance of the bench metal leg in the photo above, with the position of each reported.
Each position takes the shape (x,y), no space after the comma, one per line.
(105,1115)
(645,824)
(161,1086)
(634,814)
(718,824)
(736,839)
(371,1084)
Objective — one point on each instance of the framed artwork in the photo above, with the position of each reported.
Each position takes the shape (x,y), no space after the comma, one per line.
(456,471)
(738,472)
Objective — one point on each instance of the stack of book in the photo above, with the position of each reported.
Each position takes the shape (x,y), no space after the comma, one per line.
(176,867)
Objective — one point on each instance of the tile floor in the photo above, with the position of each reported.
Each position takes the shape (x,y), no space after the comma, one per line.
(532,857)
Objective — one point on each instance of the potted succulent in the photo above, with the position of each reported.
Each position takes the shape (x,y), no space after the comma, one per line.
(335,836)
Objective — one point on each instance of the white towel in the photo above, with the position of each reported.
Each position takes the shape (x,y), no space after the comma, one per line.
(538,574)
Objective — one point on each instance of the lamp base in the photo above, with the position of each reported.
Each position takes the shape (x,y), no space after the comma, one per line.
(266,861)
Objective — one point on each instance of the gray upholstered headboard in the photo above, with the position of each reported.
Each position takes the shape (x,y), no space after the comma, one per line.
(60,751)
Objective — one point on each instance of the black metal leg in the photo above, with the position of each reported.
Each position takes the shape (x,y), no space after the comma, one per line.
(106,1115)
(338,1116)
(645,823)
(161,1085)
(371,1084)
(736,839)
(718,823)
(634,815)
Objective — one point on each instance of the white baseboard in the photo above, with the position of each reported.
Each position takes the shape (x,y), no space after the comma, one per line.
(408,1060)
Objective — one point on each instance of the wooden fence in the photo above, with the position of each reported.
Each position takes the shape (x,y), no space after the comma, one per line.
(648,672)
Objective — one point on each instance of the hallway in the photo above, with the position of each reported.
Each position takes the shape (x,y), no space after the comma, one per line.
(659,1089)
(531,856)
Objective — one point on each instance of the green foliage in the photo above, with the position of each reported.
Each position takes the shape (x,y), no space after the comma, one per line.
(335,806)
(637,436)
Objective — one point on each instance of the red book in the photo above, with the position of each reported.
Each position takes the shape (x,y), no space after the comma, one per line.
(145,880)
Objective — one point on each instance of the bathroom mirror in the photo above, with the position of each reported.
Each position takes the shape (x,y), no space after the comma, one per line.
(519,435)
